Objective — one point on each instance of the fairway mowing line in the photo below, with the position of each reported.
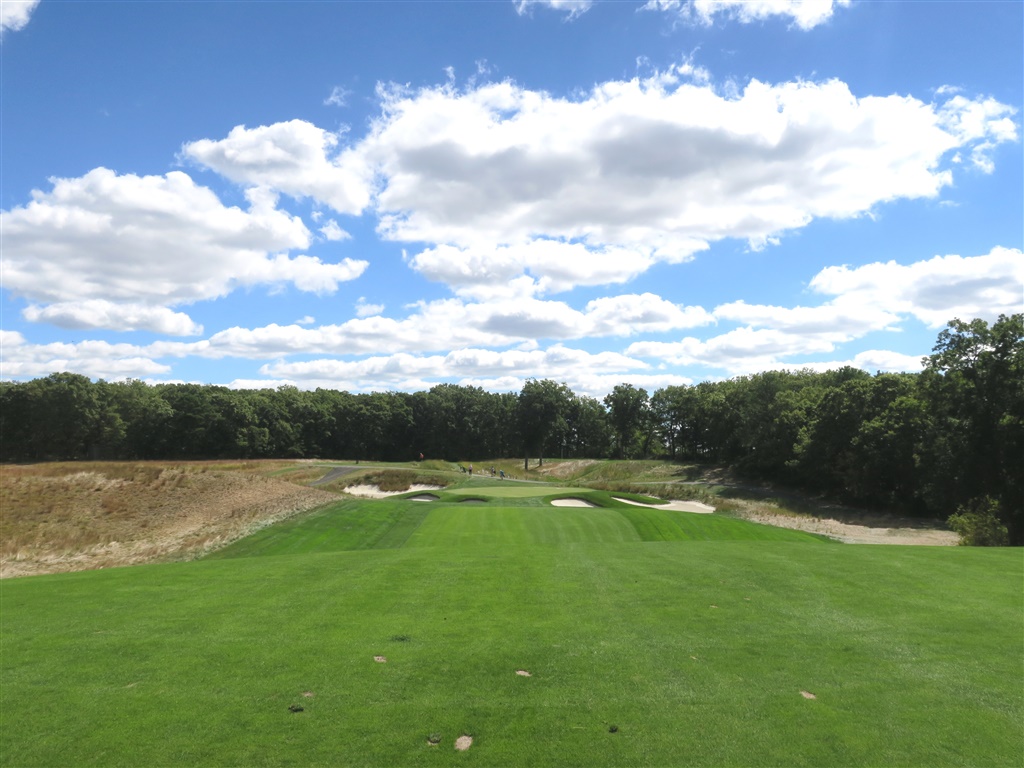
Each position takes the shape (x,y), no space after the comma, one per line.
(674,506)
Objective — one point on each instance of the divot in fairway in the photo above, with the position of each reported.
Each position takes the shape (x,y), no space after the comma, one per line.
(808,695)
(381,659)
(463,743)
(524,673)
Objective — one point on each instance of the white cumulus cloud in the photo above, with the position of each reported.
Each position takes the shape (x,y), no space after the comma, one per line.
(331,231)
(573,8)
(805,14)
(934,291)
(98,313)
(15,14)
(293,157)
(505,181)
(873,297)
(126,241)
(410,371)
(95,359)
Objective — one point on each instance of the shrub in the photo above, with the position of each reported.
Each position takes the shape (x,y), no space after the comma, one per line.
(979,525)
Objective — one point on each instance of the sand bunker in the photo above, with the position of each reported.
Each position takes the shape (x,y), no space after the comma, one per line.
(675,506)
(374,491)
(851,533)
(571,503)
(424,497)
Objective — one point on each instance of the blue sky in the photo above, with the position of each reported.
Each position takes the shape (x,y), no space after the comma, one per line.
(390,195)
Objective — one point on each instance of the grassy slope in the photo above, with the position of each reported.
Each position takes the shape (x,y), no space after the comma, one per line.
(697,650)
(391,523)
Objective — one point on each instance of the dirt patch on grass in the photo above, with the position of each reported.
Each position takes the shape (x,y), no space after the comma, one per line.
(524,673)
(463,743)
(75,517)
(381,659)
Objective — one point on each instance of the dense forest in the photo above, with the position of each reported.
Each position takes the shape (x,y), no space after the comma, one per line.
(946,441)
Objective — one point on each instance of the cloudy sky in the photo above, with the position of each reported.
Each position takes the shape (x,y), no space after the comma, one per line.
(391,195)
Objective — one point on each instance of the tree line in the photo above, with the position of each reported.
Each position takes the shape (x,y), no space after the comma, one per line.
(948,440)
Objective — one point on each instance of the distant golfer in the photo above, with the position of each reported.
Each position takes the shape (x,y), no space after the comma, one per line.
(471,469)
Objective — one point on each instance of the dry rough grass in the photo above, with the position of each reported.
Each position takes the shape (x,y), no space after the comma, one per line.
(564,469)
(72,517)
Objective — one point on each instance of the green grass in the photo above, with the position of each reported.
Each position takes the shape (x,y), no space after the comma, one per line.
(396,522)
(693,635)
(345,525)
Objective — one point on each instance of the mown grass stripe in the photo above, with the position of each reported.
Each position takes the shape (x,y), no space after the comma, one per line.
(404,525)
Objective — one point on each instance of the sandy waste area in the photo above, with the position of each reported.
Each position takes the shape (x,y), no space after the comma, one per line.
(374,491)
(851,533)
(675,506)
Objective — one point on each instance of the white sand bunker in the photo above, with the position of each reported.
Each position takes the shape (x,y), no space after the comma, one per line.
(424,497)
(675,506)
(571,503)
(374,491)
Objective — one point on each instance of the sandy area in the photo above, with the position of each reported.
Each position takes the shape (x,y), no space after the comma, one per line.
(374,491)
(571,503)
(675,506)
(858,534)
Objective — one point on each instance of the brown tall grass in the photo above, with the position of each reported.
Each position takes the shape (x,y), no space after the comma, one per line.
(73,516)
